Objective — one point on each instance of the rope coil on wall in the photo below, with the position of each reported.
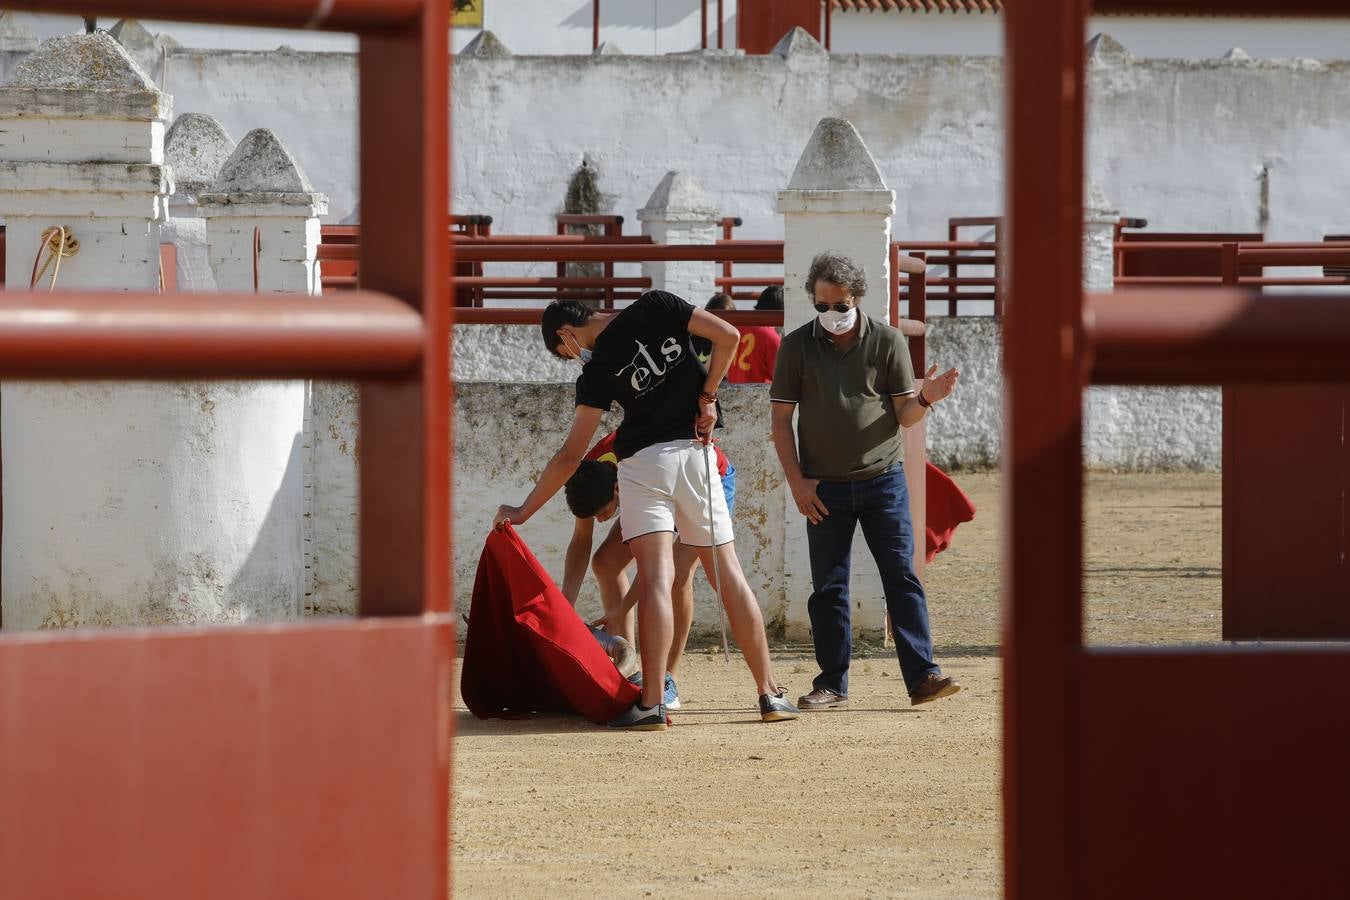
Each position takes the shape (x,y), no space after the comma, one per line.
(58,242)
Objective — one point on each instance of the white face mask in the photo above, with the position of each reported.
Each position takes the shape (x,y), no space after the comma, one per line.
(837,322)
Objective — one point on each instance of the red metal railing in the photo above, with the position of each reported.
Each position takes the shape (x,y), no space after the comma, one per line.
(613,229)
(1232,258)
(471,253)
(956,288)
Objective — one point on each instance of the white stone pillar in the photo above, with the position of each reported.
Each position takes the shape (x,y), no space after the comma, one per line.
(262,188)
(128,503)
(1099,238)
(262,204)
(195,148)
(680,212)
(835,201)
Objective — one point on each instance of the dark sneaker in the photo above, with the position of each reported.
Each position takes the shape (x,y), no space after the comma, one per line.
(639,719)
(670,698)
(933,687)
(776,707)
(820,698)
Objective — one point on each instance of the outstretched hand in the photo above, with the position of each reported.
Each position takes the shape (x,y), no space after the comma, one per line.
(939,387)
(612,625)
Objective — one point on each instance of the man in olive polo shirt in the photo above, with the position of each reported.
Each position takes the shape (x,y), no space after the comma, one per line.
(849,379)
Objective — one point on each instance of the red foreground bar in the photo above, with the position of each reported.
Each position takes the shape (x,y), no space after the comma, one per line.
(69,335)
(327,15)
(1216,337)
(304,760)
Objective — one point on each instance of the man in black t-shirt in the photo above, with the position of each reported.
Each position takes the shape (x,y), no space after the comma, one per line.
(642,359)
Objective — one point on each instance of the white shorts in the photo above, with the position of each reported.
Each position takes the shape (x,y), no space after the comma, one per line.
(665,487)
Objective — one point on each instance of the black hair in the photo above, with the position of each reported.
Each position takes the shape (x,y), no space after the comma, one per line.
(590,487)
(770,298)
(560,313)
(720,301)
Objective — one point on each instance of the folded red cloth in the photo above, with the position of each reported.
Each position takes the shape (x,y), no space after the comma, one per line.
(527,650)
(947,507)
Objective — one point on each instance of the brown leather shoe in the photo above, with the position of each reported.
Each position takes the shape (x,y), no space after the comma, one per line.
(934,687)
(821,699)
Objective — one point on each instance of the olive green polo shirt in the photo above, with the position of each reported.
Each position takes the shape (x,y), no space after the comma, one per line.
(846,427)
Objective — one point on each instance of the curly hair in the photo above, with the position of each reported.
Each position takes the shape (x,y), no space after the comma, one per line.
(836,269)
(590,487)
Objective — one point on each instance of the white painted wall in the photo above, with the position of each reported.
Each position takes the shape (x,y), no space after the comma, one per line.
(1179,143)
(560,27)
(1128,429)
(1172,37)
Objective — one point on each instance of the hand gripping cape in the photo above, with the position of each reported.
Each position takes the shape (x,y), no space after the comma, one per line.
(527,650)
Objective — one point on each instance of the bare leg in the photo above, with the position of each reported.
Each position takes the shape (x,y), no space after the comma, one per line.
(656,625)
(747,624)
(682,598)
(609,562)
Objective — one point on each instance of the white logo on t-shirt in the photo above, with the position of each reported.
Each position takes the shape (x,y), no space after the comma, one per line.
(645,368)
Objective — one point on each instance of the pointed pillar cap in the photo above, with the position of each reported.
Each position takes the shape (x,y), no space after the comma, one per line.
(261,171)
(196,148)
(679,198)
(486,46)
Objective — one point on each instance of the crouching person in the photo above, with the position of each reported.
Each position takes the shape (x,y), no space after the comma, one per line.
(593,496)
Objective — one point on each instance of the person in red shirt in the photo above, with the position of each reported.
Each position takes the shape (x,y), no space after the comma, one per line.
(593,496)
(758,350)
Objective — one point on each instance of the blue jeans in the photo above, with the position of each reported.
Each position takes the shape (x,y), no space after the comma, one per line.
(881,506)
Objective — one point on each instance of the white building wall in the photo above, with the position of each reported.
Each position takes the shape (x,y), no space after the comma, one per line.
(1180,143)
(561,27)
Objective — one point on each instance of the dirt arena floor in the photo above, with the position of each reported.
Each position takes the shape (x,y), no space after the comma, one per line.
(879,800)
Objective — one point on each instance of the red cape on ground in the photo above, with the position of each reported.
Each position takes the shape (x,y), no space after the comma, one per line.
(527,650)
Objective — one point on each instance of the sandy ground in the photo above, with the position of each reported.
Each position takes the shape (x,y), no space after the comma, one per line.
(877,800)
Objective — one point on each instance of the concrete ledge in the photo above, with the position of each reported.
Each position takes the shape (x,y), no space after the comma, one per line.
(30,176)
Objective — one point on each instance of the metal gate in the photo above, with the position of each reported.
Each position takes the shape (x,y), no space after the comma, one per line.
(1215,771)
(297,760)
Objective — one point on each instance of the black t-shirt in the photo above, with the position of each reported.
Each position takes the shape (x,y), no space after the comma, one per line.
(644,361)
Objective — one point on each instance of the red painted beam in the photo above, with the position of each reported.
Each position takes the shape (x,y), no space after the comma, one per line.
(1172,798)
(737,251)
(328,15)
(107,335)
(406,446)
(1042,444)
(504,316)
(1216,337)
(296,760)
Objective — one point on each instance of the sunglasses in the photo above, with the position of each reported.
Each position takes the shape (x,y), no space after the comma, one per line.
(838,307)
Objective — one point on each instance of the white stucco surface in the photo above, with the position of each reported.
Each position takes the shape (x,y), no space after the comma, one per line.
(672,26)
(137,504)
(129,503)
(1127,428)
(1179,143)
(335,503)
